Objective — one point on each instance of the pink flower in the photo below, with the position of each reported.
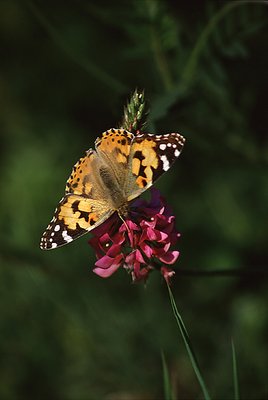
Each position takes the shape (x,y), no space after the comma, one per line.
(140,244)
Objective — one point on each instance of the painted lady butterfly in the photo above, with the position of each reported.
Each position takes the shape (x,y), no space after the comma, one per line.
(107,179)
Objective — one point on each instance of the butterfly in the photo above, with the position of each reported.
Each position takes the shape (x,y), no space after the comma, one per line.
(105,180)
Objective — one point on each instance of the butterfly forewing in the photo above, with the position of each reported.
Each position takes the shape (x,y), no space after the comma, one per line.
(151,156)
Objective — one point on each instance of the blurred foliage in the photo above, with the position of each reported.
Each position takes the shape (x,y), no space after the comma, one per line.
(67,70)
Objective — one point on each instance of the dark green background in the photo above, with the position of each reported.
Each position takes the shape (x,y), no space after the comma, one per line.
(67,69)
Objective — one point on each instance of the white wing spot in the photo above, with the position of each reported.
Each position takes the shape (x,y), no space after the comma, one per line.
(165,162)
(57,228)
(53,245)
(66,237)
(169,145)
(176,153)
(162,146)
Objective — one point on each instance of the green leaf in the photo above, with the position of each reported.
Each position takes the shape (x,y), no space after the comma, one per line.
(235,376)
(168,393)
(188,345)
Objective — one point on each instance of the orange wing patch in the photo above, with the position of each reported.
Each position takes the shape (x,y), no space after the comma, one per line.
(74,216)
(144,161)
(151,156)
(116,142)
(80,181)
(78,212)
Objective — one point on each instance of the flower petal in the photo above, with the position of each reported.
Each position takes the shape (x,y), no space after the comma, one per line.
(170,257)
(147,250)
(105,273)
(167,274)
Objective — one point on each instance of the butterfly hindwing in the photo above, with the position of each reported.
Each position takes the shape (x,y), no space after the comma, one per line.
(74,216)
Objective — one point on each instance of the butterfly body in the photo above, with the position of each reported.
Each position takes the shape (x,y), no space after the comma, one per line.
(106,179)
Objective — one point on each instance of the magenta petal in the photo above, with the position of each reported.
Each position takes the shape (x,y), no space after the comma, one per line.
(94,242)
(139,257)
(148,251)
(105,262)
(105,273)
(133,257)
(151,222)
(160,236)
(167,274)
(114,251)
(162,210)
(170,257)
(129,259)
(137,267)
(104,238)
(113,256)
(140,275)
(117,238)
(106,226)
(130,224)
(166,247)
(151,234)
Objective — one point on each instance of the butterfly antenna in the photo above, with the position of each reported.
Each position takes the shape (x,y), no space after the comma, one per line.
(126,225)
(122,219)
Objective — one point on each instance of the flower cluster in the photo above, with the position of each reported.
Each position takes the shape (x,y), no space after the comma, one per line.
(141,243)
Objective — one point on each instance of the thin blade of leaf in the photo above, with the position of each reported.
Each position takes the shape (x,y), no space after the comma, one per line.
(188,345)
(168,393)
(235,376)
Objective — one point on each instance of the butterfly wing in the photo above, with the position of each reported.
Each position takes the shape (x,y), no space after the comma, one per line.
(150,156)
(83,207)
